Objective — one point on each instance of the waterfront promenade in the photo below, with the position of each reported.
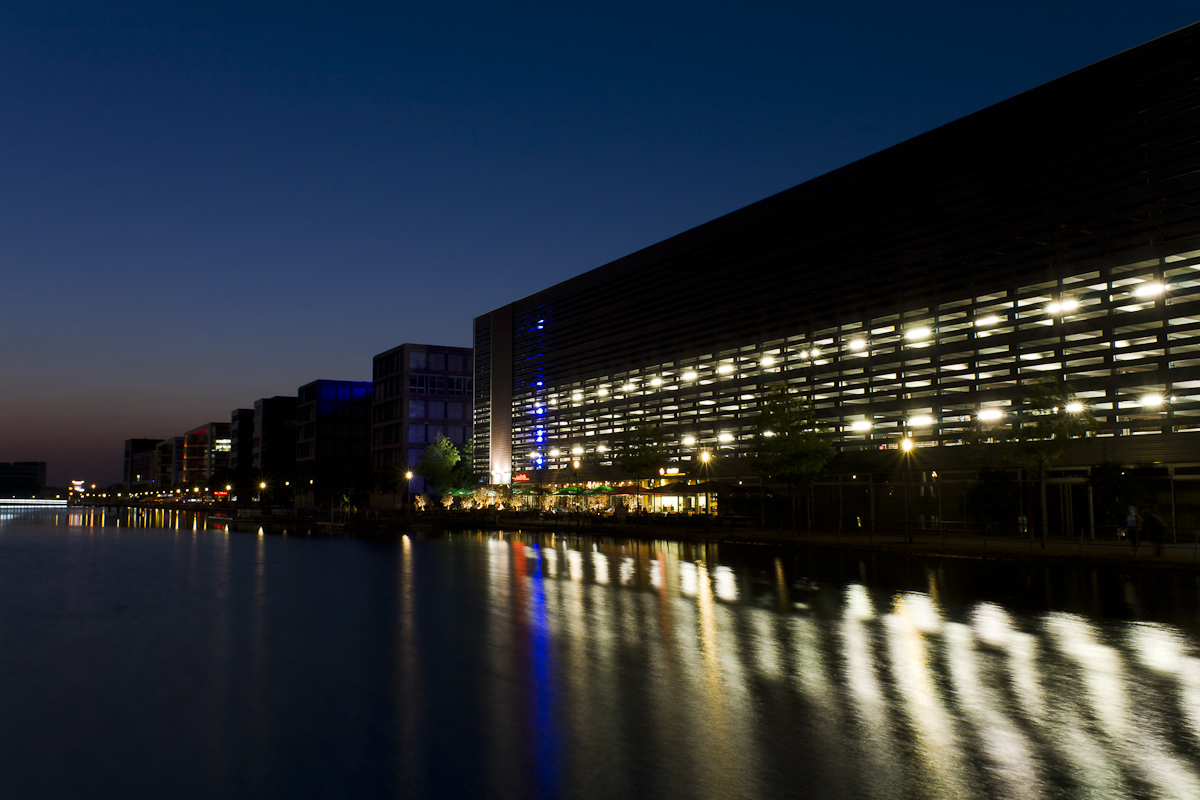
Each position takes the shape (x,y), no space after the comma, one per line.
(1179,551)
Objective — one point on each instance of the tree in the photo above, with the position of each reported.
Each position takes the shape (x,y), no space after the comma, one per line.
(463,475)
(641,451)
(788,444)
(1046,417)
(994,499)
(436,464)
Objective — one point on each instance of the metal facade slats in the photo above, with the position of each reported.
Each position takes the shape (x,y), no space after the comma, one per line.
(1089,175)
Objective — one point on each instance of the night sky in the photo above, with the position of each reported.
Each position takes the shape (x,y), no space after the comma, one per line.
(202,204)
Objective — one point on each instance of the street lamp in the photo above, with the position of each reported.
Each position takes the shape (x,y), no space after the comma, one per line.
(705,457)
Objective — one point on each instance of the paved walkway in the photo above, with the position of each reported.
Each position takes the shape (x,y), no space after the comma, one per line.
(1174,554)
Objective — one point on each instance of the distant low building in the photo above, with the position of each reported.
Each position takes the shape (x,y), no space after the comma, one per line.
(22,478)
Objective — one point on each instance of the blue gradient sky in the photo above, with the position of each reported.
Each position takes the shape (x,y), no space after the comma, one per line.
(202,204)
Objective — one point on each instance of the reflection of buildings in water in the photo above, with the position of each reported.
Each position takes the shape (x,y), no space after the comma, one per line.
(989,705)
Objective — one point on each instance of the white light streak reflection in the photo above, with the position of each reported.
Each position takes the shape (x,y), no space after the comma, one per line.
(628,569)
(1163,650)
(726,583)
(688,583)
(942,755)
(600,567)
(1106,686)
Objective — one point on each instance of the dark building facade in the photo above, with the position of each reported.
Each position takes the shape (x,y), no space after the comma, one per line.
(333,437)
(911,296)
(420,392)
(141,464)
(170,462)
(241,440)
(274,453)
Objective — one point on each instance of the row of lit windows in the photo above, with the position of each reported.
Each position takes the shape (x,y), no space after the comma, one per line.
(671,392)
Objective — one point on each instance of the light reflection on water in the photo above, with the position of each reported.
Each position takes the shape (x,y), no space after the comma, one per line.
(542,666)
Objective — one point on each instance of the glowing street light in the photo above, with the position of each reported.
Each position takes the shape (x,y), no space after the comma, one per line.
(906,444)
(688,441)
(860,425)
(1151,400)
(989,415)
(1074,407)
(1152,289)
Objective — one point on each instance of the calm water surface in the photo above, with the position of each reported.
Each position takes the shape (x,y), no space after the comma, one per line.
(158,658)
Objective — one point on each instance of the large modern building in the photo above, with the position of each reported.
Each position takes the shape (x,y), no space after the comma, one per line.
(420,392)
(912,295)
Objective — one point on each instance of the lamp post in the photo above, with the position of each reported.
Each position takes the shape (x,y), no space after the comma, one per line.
(906,445)
(408,476)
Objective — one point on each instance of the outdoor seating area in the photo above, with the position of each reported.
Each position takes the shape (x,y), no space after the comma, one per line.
(678,497)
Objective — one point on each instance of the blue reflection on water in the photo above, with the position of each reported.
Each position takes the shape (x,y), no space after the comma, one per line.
(544,711)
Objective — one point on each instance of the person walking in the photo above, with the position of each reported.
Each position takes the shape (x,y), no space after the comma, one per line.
(1156,528)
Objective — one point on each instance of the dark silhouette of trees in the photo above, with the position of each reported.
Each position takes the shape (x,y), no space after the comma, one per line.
(789,445)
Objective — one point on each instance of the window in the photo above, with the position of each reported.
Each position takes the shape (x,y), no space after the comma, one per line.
(416,359)
(437,362)
(416,409)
